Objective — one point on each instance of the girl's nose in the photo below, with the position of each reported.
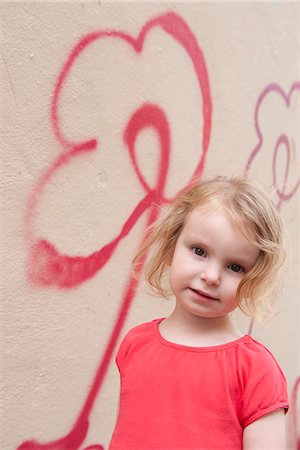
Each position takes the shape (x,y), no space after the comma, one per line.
(211,276)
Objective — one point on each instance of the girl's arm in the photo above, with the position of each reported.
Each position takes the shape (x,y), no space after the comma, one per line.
(266,433)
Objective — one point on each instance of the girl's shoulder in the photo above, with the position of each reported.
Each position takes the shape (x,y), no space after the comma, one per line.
(134,339)
(256,364)
(254,352)
(139,334)
(143,329)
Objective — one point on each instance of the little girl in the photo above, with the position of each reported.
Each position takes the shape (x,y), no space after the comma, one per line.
(191,381)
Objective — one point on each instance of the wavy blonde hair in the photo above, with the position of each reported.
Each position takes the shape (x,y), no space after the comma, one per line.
(250,209)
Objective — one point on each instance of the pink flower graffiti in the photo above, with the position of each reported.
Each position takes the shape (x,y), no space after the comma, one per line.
(49,267)
(286,183)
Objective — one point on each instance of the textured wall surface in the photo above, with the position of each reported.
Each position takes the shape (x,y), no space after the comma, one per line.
(107,111)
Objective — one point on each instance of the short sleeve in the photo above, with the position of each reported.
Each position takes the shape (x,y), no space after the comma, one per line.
(265,387)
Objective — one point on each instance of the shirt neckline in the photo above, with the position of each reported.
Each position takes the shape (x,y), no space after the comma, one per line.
(212,348)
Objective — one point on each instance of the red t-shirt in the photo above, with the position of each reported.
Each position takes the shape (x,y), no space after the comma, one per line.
(192,398)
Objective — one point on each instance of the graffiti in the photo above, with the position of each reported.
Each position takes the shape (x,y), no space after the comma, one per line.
(46,265)
(286,187)
(283,139)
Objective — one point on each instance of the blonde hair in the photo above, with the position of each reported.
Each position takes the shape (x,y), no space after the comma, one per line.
(250,209)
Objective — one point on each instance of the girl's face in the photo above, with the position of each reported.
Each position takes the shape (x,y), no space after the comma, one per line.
(210,259)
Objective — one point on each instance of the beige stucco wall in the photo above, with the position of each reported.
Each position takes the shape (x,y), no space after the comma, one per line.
(56,97)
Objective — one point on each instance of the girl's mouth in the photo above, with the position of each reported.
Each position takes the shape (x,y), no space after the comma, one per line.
(203,294)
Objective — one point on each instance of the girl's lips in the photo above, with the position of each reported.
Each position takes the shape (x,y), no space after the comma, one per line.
(203,294)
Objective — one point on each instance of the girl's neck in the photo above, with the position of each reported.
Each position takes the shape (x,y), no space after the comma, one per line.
(198,331)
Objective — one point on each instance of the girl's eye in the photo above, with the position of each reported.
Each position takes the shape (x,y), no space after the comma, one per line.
(198,251)
(236,268)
